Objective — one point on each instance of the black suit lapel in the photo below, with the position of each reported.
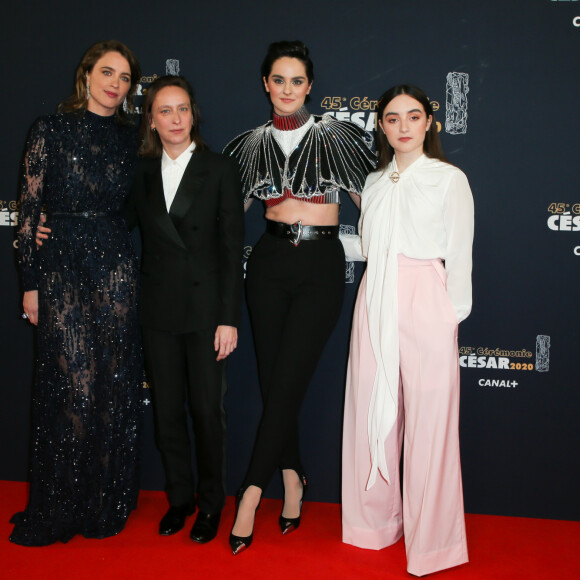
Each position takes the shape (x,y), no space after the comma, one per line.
(157,205)
(191,183)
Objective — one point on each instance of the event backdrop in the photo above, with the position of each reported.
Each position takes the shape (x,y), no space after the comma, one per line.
(504,81)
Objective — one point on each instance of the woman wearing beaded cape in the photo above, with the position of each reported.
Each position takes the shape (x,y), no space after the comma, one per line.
(81,291)
(297,164)
(402,383)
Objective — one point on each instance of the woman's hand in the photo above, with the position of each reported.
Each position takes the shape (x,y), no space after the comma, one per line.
(30,306)
(226,341)
(41,231)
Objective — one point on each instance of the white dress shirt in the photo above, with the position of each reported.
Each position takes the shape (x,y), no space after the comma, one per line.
(426,214)
(172,171)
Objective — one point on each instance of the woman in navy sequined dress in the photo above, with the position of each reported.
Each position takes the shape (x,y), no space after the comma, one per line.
(81,291)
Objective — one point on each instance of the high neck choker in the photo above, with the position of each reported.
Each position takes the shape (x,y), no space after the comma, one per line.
(291,122)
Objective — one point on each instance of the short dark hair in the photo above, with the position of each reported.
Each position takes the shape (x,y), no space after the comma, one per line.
(77,102)
(292,49)
(432,145)
(150,142)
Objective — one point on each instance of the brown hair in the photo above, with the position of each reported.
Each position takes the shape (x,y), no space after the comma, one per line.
(150,142)
(432,145)
(77,102)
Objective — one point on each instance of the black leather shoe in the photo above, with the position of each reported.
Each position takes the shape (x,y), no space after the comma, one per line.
(205,528)
(174,519)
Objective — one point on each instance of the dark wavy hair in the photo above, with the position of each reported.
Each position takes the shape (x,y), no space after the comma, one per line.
(77,102)
(432,145)
(151,145)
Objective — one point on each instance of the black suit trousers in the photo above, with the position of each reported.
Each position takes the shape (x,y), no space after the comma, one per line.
(183,373)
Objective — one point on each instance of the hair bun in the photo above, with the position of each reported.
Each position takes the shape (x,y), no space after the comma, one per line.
(301,47)
(288,48)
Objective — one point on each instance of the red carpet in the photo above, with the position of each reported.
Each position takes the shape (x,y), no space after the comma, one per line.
(499,547)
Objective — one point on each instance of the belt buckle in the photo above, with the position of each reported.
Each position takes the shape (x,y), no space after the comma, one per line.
(296,230)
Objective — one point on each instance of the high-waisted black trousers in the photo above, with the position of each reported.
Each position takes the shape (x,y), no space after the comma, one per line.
(295,297)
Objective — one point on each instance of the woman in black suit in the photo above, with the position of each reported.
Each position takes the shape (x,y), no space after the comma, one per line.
(188,204)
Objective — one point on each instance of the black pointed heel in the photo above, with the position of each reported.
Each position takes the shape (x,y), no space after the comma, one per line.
(240,543)
(288,525)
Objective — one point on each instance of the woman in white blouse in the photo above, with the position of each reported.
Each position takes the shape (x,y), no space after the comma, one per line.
(403,376)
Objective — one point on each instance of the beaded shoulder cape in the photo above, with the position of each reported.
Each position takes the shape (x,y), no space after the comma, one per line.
(332,156)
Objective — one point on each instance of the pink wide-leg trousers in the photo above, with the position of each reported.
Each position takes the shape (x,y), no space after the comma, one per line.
(431,512)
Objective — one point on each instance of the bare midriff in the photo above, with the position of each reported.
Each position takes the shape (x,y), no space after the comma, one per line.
(292,210)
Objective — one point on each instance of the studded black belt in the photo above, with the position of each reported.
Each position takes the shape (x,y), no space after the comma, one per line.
(297,233)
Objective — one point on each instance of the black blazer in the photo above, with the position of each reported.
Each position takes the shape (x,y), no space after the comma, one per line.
(191,269)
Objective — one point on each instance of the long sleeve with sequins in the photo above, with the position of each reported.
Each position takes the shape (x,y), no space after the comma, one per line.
(31,198)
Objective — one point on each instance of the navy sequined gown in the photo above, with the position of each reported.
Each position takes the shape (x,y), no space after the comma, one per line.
(86,399)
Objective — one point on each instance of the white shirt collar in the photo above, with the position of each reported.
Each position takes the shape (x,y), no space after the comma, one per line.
(180,161)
